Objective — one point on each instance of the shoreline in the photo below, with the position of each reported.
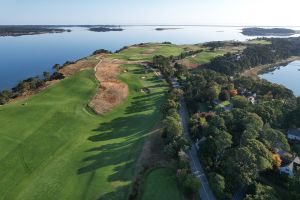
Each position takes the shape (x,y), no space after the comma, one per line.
(67,71)
(254,72)
(31,33)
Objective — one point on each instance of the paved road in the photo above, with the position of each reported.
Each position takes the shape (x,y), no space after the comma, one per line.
(204,191)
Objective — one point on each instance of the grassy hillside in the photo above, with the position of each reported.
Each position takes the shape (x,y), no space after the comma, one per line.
(160,184)
(53,147)
(147,51)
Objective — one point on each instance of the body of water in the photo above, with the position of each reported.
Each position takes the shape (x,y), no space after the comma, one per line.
(27,56)
(288,75)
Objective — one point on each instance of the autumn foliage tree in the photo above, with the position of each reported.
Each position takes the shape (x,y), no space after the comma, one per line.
(277,160)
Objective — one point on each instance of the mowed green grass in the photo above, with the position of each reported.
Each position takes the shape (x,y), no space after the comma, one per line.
(259,41)
(147,51)
(160,184)
(205,56)
(53,147)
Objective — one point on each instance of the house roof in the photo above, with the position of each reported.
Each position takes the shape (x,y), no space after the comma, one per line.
(294,132)
(286,162)
(287,158)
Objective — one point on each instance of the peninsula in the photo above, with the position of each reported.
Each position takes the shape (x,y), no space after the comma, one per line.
(14,30)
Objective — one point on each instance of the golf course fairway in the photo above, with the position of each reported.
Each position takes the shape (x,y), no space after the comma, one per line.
(54,147)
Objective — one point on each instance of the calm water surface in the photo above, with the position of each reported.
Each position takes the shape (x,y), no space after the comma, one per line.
(26,56)
(288,75)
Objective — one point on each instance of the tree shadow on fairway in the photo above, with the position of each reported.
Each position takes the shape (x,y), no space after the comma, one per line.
(138,71)
(120,155)
(123,127)
(155,79)
(145,103)
(119,141)
(147,96)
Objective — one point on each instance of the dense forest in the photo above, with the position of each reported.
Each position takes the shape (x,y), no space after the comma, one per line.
(239,143)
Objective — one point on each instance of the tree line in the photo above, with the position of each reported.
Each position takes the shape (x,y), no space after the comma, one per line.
(254,55)
(176,146)
(32,84)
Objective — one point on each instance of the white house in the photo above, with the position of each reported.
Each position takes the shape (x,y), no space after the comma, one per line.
(252,99)
(294,134)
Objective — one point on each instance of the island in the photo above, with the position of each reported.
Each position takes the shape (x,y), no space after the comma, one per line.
(16,30)
(105,29)
(268,32)
(165,29)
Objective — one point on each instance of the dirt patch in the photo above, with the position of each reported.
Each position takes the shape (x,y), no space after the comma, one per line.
(109,95)
(111,92)
(78,66)
(149,51)
(188,64)
(108,69)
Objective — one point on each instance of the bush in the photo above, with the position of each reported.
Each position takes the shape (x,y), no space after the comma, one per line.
(240,102)
(191,184)
(57,76)
(99,51)
(217,184)
(5,96)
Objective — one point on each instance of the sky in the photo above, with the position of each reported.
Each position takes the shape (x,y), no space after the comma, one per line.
(151,12)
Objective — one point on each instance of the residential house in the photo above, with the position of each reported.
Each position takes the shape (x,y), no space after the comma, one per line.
(249,95)
(294,134)
(289,162)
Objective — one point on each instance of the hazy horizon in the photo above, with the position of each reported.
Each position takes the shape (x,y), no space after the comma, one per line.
(142,12)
